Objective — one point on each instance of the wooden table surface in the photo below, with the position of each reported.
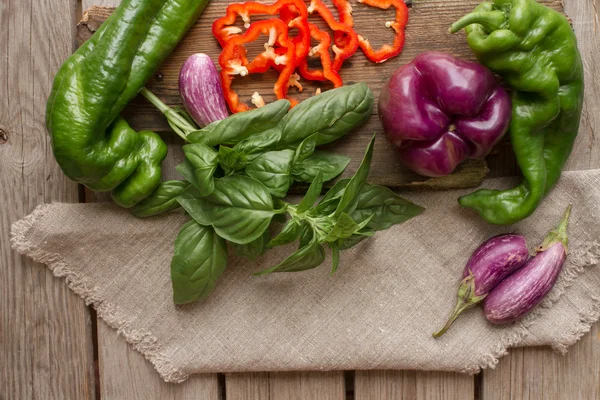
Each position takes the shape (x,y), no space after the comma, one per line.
(52,346)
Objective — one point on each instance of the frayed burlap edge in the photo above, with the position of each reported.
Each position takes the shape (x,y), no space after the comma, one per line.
(142,341)
(147,344)
(586,255)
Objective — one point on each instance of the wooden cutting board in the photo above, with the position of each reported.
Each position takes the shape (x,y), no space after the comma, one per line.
(427,30)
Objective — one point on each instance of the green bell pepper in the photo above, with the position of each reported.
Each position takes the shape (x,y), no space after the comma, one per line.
(535,50)
(91,143)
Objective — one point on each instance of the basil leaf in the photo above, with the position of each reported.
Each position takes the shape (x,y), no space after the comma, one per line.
(307,234)
(330,164)
(305,149)
(329,202)
(240,209)
(335,257)
(356,182)
(288,234)
(204,161)
(254,249)
(344,227)
(231,160)
(330,115)
(273,169)
(260,143)
(353,240)
(385,207)
(162,200)
(199,260)
(186,169)
(313,192)
(240,126)
(308,257)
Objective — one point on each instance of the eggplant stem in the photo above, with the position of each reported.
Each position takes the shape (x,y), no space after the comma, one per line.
(559,234)
(178,123)
(466,299)
(490,20)
(460,307)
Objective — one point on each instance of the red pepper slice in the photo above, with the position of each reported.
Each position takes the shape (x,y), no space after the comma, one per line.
(351,38)
(292,12)
(233,60)
(321,50)
(398,25)
(345,12)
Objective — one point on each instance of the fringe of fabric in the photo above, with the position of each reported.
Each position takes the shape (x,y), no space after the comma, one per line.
(142,341)
(587,255)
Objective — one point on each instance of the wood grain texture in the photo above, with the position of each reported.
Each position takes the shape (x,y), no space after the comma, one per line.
(307,386)
(539,373)
(412,385)
(247,386)
(45,330)
(132,377)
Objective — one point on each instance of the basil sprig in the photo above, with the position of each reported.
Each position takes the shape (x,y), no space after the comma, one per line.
(350,211)
(237,172)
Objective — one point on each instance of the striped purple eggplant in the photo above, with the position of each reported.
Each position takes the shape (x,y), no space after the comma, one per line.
(518,294)
(201,90)
(493,260)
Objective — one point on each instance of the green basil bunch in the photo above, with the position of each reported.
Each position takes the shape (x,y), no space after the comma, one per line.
(237,174)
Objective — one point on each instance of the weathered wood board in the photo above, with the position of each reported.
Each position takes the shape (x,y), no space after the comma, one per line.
(423,33)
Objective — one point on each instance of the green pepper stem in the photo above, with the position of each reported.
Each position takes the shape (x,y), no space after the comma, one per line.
(177,122)
(466,299)
(490,20)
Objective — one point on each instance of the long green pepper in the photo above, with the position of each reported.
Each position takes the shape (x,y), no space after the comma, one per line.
(535,50)
(92,144)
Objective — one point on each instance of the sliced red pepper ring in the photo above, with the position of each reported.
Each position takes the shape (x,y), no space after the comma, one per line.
(233,60)
(386,51)
(345,12)
(322,51)
(351,38)
(292,12)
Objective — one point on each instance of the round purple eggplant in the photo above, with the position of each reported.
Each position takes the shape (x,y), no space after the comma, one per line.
(493,261)
(439,110)
(201,90)
(518,294)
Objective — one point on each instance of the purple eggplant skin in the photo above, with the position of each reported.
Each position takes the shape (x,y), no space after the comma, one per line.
(489,264)
(519,293)
(494,260)
(201,90)
(439,110)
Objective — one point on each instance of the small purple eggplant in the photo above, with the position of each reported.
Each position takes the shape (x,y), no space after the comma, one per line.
(518,294)
(494,260)
(201,90)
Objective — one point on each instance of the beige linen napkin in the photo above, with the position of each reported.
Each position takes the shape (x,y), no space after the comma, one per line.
(378,311)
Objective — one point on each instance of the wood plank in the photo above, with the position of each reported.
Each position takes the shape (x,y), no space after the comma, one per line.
(125,374)
(45,332)
(286,386)
(413,385)
(247,386)
(307,385)
(539,373)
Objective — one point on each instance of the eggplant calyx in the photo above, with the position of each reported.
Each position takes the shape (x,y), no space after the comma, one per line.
(559,234)
(466,299)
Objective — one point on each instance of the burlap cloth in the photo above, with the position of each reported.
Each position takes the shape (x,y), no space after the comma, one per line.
(378,311)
